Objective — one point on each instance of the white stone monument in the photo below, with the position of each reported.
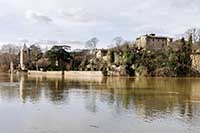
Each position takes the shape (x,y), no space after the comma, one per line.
(24,57)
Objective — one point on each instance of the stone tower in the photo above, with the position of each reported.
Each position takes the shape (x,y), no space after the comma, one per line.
(24,58)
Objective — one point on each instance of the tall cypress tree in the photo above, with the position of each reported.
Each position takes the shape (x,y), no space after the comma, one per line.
(190,43)
(184,57)
(184,60)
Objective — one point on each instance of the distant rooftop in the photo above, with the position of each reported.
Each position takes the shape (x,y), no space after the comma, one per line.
(153,35)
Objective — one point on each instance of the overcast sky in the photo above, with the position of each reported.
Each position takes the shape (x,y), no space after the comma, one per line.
(79,20)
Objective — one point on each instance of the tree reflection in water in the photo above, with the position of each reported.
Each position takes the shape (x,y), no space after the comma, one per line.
(148,98)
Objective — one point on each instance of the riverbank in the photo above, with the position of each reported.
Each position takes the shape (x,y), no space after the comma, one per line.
(97,74)
(87,76)
(77,74)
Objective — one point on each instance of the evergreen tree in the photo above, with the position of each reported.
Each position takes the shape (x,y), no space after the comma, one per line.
(58,56)
(183,58)
(190,43)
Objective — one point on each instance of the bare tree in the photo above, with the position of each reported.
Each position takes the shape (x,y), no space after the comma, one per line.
(116,42)
(195,32)
(11,51)
(10,48)
(36,52)
(9,54)
(92,43)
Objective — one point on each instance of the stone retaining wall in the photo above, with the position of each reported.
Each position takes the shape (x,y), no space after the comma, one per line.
(83,73)
(47,73)
(196,61)
(68,73)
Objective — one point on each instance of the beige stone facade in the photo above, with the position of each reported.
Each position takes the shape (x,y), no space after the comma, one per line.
(195,61)
(153,42)
(102,54)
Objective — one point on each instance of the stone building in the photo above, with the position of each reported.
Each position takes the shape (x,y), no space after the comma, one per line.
(195,61)
(153,42)
(102,53)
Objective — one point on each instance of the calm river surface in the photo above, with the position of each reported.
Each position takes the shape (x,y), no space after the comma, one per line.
(94,105)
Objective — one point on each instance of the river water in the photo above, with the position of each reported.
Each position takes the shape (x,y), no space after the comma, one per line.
(99,105)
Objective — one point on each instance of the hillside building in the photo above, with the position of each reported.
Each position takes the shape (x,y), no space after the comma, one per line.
(153,42)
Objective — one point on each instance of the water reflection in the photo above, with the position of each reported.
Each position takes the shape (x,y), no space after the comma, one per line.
(146,99)
(146,95)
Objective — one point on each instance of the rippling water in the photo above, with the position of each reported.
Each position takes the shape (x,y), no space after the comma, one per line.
(109,105)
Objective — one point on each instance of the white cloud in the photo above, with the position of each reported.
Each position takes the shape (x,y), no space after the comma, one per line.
(80,20)
(38,17)
(76,15)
